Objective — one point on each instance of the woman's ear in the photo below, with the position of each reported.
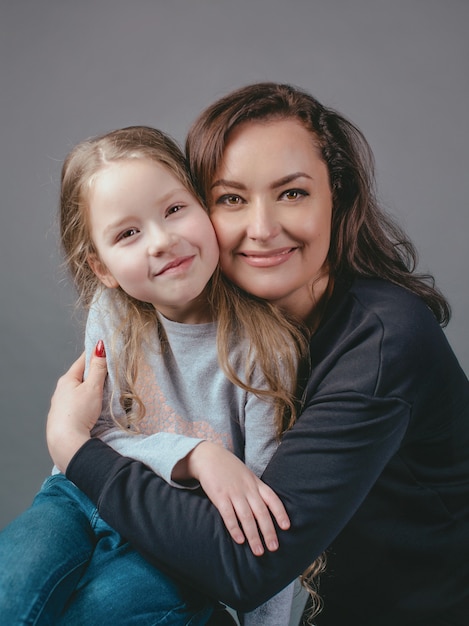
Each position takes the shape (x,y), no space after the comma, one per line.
(102,272)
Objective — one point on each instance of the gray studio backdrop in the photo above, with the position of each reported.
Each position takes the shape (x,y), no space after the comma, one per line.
(68,70)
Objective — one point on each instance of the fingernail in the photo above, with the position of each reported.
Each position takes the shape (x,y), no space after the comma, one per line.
(258,550)
(99,350)
(273,545)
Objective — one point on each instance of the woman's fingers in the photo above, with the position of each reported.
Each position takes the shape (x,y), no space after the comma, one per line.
(75,408)
(97,370)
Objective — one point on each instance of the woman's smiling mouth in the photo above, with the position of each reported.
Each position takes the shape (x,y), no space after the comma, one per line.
(268,258)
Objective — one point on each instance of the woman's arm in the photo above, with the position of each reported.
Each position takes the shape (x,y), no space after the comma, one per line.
(322,471)
(183,534)
(373,368)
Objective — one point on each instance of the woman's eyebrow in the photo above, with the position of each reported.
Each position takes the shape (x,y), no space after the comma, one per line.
(289,179)
(223,182)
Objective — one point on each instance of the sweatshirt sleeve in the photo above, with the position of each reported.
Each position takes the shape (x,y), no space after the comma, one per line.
(322,471)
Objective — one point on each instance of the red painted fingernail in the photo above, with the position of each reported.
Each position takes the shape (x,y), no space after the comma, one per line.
(100,351)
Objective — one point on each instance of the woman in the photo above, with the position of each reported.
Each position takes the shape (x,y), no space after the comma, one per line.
(376,470)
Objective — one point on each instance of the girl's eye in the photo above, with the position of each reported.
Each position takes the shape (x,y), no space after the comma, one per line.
(294,194)
(174,209)
(130,232)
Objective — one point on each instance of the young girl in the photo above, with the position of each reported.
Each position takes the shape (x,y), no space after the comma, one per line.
(144,256)
(376,467)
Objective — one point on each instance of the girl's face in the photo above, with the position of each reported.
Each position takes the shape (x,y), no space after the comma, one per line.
(271,206)
(152,238)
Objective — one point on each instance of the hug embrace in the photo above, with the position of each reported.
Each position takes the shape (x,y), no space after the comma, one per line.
(269,393)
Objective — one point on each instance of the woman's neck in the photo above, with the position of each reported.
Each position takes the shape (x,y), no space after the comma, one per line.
(310,308)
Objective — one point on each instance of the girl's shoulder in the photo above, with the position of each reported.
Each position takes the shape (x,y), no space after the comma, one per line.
(106,304)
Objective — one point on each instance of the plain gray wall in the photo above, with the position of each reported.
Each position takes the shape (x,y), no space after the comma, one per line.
(397,68)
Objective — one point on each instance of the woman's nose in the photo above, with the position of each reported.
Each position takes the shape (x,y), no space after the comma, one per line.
(263,224)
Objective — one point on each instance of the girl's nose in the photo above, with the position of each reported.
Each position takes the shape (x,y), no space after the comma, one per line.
(263,224)
(160,241)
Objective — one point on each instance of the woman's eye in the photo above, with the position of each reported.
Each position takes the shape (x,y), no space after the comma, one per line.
(229,199)
(294,194)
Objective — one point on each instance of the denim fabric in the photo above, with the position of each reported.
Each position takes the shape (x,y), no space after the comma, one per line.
(61,564)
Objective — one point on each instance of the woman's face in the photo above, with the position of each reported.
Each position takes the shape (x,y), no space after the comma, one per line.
(271,206)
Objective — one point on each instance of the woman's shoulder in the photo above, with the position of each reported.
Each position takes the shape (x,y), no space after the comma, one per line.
(383,339)
(406,332)
(380,319)
(393,306)
(376,290)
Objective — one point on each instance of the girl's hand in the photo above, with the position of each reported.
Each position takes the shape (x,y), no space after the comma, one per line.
(242,499)
(75,407)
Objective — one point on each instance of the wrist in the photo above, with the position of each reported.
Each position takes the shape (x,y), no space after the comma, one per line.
(194,461)
(63,446)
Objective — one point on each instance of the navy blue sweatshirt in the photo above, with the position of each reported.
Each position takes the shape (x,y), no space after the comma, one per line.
(376,471)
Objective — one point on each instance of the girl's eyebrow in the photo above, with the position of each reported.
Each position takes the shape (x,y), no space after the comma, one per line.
(162,200)
(223,182)
(113,226)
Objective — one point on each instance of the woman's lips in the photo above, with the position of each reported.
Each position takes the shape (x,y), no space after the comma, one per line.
(267,258)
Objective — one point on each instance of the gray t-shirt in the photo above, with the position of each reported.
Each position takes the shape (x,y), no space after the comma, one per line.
(188,399)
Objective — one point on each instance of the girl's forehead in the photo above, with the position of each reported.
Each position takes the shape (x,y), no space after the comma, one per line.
(134,161)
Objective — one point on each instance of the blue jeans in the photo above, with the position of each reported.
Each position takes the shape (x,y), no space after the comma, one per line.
(60,563)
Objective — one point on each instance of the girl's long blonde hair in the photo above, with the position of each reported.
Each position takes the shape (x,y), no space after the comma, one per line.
(276,345)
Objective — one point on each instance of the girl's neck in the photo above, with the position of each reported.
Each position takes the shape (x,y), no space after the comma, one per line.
(198,311)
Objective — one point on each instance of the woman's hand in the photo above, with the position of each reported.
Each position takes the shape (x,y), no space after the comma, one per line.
(75,407)
(242,499)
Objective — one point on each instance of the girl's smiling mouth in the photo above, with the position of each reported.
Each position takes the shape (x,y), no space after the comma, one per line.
(176,266)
